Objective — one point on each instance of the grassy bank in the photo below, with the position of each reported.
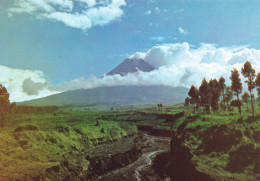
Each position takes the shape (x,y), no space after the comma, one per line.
(33,146)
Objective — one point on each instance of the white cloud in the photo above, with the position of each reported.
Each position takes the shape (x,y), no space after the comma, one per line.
(159,38)
(63,4)
(90,3)
(148,13)
(157,10)
(73,20)
(88,13)
(104,15)
(182,31)
(182,65)
(15,82)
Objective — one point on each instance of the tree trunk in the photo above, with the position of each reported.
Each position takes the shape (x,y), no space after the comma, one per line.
(252,104)
(239,107)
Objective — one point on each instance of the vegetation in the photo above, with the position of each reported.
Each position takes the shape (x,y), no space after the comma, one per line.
(32,145)
(215,93)
(249,73)
(5,105)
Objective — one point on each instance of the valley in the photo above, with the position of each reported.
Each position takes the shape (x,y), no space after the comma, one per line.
(129,144)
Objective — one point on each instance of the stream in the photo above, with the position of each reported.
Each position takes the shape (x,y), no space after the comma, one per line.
(148,158)
(141,170)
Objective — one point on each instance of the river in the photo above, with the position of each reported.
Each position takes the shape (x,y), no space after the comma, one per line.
(141,170)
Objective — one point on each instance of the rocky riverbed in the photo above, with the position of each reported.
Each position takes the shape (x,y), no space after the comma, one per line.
(142,168)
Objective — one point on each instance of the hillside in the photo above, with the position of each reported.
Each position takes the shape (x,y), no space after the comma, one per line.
(114,96)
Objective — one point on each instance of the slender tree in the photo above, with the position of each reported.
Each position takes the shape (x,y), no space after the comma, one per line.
(222,88)
(194,94)
(236,85)
(257,83)
(249,72)
(214,88)
(245,98)
(204,93)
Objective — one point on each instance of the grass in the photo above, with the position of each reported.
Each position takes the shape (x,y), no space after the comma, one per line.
(32,144)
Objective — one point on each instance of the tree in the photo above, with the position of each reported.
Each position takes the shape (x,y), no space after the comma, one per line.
(187,103)
(194,95)
(257,83)
(245,98)
(214,88)
(5,105)
(222,87)
(236,85)
(204,95)
(249,73)
(228,96)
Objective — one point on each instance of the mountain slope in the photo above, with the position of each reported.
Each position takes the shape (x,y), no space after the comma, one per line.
(131,66)
(115,96)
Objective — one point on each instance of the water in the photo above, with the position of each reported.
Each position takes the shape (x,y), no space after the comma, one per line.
(148,161)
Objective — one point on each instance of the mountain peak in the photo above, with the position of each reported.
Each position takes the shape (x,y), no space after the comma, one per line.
(131,66)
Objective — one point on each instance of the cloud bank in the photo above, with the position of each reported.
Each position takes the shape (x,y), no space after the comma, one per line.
(24,84)
(81,14)
(178,64)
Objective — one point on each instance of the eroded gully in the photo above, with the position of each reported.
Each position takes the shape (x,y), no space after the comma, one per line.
(141,170)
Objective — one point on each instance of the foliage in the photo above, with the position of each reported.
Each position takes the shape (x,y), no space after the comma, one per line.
(249,73)
(5,105)
(222,88)
(236,84)
(257,83)
(245,98)
(214,88)
(194,94)
(204,92)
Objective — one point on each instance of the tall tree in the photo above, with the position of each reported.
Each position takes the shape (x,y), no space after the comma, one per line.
(194,94)
(257,83)
(204,95)
(249,72)
(236,85)
(5,105)
(214,88)
(245,98)
(222,87)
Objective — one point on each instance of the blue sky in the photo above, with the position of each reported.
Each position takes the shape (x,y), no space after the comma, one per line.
(72,40)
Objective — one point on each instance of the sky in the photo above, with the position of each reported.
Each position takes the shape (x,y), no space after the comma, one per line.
(48,47)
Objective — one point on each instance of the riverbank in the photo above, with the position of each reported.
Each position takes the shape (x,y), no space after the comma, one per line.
(64,145)
(203,148)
